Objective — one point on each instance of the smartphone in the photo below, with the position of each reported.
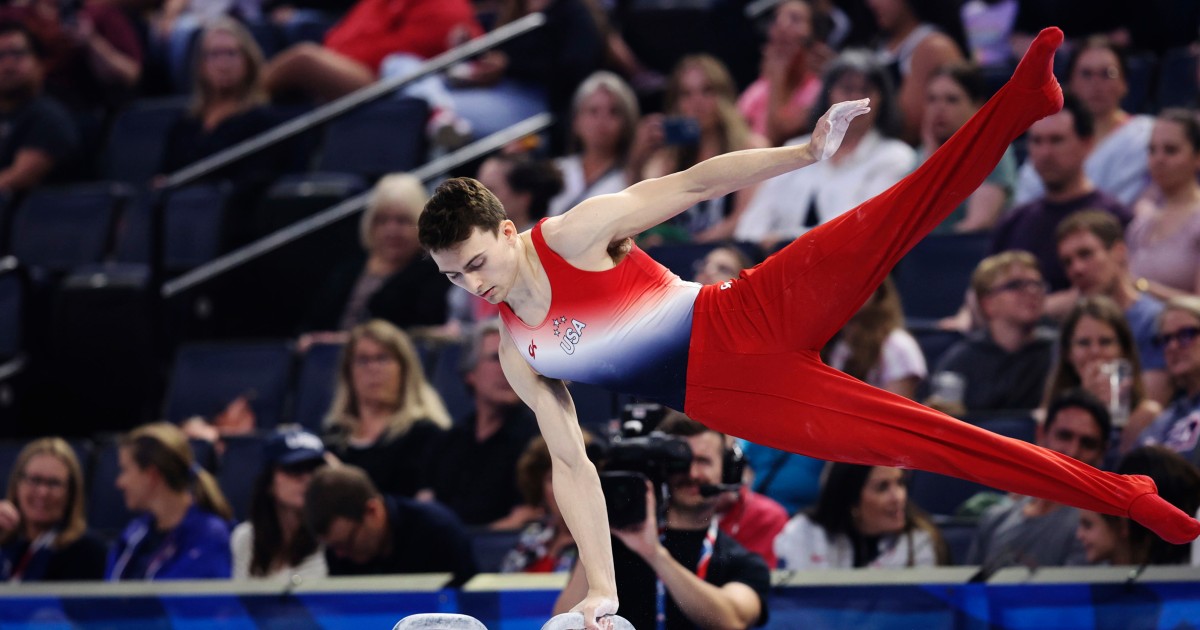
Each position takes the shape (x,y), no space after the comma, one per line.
(681,131)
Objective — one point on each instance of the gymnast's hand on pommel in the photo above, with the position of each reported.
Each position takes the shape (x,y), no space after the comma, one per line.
(597,611)
(831,128)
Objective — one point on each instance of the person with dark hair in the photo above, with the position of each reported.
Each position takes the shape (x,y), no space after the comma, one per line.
(1178,428)
(1094,334)
(580,302)
(183,533)
(43,529)
(954,93)
(1109,539)
(1005,364)
(870,159)
(874,347)
(472,467)
(525,186)
(779,104)
(1164,237)
(274,543)
(917,37)
(679,568)
(1091,246)
(1058,145)
(368,533)
(1116,163)
(862,519)
(41,143)
(1035,532)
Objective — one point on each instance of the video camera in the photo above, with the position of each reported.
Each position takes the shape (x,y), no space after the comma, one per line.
(634,458)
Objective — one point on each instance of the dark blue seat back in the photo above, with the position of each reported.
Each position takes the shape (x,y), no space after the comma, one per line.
(1141,73)
(384,137)
(106,509)
(192,234)
(208,376)
(315,385)
(491,546)
(1017,425)
(1177,78)
(238,470)
(447,380)
(59,228)
(12,312)
(137,140)
(941,494)
(934,276)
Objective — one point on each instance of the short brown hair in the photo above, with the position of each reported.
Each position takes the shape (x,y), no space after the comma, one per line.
(337,491)
(992,267)
(1105,226)
(457,207)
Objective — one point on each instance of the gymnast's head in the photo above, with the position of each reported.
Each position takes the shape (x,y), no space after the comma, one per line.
(466,232)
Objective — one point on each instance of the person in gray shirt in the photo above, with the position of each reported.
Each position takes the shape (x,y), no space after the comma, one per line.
(1036,532)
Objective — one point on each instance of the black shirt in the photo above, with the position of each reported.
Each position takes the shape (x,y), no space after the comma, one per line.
(413,296)
(41,124)
(426,538)
(730,562)
(83,559)
(188,142)
(478,480)
(396,466)
(998,379)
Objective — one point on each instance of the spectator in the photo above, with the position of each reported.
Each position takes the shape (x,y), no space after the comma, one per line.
(1058,145)
(863,518)
(545,546)
(875,348)
(1116,157)
(385,416)
(989,25)
(751,518)
(92,59)
(1178,428)
(1005,364)
(954,93)
(724,585)
(1093,334)
(1037,532)
(184,531)
(869,160)
(1115,540)
(43,530)
(393,281)
(791,480)
(604,117)
(355,47)
(1092,248)
(472,467)
(525,186)
(700,89)
(779,104)
(917,37)
(274,543)
(41,143)
(368,533)
(228,106)
(721,264)
(1164,237)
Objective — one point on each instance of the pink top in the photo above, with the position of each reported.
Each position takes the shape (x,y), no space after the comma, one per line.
(753,102)
(1173,260)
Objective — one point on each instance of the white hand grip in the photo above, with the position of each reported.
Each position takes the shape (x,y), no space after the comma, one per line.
(574,621)
(439,621)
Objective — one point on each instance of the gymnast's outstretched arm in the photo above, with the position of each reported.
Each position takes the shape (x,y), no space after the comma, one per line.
(589,228)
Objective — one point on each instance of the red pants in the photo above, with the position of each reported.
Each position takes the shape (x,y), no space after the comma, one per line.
(754,368)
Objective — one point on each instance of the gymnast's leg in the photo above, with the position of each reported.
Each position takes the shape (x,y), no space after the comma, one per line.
(794,402)
(822,278)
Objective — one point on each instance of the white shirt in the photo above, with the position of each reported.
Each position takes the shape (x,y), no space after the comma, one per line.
(804,545)
(1118,165)
(779,208)
(241,543)
(575,188)
(900,358)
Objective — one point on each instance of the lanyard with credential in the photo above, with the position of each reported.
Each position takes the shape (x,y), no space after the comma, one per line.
(706,554)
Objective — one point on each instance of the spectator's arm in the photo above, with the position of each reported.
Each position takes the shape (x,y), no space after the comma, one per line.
(29,167)
(1158,386)
(983,209)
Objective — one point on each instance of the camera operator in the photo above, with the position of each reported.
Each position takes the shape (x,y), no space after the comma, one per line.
(686,573)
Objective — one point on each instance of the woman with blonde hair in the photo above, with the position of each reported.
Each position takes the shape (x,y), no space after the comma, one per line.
(390,280)
(43,530)
(183,531)
(875,348)
(701,93)
(385,415)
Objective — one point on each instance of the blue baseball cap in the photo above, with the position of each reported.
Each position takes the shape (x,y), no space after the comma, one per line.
(292,447)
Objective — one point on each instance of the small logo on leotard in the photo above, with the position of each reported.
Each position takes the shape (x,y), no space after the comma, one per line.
(532,350)
(726,285)
(570,334)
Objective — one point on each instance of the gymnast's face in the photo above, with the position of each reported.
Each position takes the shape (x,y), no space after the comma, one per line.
(484,264)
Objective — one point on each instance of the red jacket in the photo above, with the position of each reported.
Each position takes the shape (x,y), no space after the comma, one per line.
(374,29)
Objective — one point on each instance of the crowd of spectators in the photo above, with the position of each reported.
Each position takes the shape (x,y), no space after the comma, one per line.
(1083,318)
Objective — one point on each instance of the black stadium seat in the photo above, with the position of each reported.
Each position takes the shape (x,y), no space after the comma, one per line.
(136,142)
(208,376)
(238,469)
(55,229)
(315,385)
(384,137)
